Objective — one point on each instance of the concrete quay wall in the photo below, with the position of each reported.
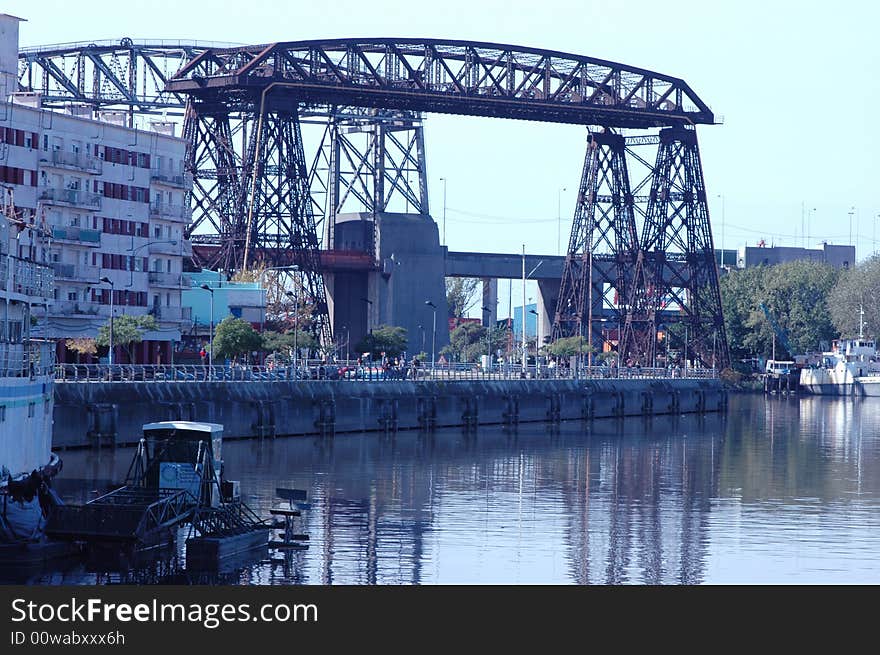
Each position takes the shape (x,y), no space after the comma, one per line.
(105,413)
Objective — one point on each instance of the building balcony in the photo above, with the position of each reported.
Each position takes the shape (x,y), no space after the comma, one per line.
(169,212)
(78,308)
(76,272)
(170,178)
(172,313)
(165,247)
(80,235)
(170,280)
(74,160)
(70,197)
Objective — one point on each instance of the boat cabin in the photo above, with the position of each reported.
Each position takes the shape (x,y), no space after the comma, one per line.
(181,455)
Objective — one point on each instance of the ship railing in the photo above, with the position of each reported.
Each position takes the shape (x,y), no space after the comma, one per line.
(30,359)
(351,371)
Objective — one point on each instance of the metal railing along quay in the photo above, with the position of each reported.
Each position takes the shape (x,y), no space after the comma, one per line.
(347,372)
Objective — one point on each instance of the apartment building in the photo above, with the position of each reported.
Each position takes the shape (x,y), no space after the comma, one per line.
(113,202)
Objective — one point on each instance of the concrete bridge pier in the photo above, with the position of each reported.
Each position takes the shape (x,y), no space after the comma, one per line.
(490,300)
(410,270)
(548,292)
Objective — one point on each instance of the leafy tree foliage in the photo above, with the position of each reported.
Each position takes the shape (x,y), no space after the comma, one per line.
(390,339)
(233,337)
(568,346)
(127,330)
(82,346)
(796,295)
(461,295)
(468,341)
(276,342)
(857,289)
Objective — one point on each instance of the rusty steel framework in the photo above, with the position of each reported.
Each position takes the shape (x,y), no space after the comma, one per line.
(244,106)
(603,241)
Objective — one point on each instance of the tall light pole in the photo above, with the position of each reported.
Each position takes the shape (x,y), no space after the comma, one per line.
(810,215)
(559,221)
(211,333)
(133,250)
(488,337)
(369,304)
(721,195)
(295,295)
(525,359)
(443,242)
(433,334)
(852,210)
(422,330)
(537,334)
(874,234)
(107,280)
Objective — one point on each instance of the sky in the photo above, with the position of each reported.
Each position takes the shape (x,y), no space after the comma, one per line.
(793,86)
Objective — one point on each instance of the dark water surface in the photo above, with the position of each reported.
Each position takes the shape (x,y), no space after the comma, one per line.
(780,490)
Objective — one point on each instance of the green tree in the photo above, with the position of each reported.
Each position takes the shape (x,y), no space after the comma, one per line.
(468,341)
(390,339)
(568,346)
(127,330)
(857,290)
(233,337)
(795,293)
(461,295)
(276,342)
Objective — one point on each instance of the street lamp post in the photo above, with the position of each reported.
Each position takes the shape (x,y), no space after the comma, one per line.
(211,333)
(443,179)
(537,333)
(422,329)
(433,334)
(293,294)
(107,280)
(133,250)
(559,221)
(722,229)
(488,338)
(874,235)
(852,210)
(369,311)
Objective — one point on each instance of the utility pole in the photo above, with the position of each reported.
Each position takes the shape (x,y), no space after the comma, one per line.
(525,361)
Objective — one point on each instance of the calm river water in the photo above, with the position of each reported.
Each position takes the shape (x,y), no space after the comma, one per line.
(780,490)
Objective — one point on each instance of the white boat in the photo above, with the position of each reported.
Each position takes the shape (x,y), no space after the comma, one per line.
(27,463)
(852,367)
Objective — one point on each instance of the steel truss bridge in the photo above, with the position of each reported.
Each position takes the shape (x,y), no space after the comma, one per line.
(641,208)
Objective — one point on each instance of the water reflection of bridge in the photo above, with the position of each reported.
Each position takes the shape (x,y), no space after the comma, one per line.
(634,508)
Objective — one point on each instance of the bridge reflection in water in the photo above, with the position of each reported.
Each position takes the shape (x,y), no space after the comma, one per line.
(663,500)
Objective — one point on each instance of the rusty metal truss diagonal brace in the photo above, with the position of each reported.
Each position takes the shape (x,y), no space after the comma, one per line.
(678,254)
(603,241)
(215,168)
(275,214)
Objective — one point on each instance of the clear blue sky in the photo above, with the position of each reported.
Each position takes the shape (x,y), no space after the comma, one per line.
(795,82)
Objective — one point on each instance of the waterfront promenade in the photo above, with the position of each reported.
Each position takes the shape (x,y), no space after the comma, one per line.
(91,410)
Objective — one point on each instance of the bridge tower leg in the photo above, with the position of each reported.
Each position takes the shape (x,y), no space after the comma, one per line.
(602,245)
(676,272)
(275,216)
(369,161)
(369,179)
(215,167)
